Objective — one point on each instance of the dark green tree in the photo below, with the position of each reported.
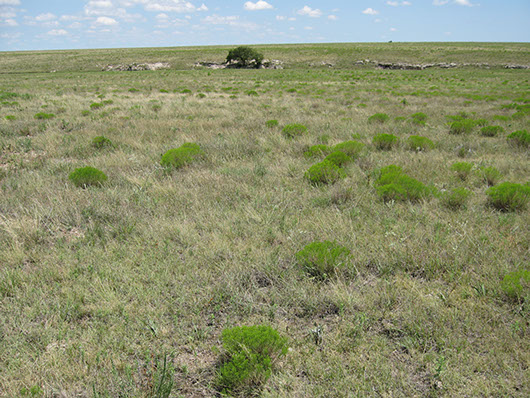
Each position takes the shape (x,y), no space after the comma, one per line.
(244,57)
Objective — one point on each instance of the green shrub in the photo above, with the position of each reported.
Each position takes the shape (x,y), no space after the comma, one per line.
(85,113)
(294,130)
(509,196)
(87,176)
(393,184)
(378,118)
(490,175)
(101,142)
(317,151)
(501,118)
(456,198)
(491,131)
(418,143)
(44,116)
(516,285)
(252,93)
(481,122)
(419,118)
(185,91)
(133,90)
(182,156)
(271,123)
(462,169)
(324,172)
(322,260)
(385,141)
(350,148)
(464,126)
(10,117)
(244,57)
(338,158)
(519,138)
(250,353)
(96,105)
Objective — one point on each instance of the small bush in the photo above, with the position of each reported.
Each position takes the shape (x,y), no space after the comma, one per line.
(490,175)
(519,138)
(294,130)
(317,151)
(491,131)
(87,176)
(271,123)
(101,142)
(516,285)
(418,143)
(456,198)
(250,353)
(338,158)
(481,122)
(96,105)
(244,57)
(322,260)
(393,184)
(182,156)
(419,118)
(464,126)
(252,93)
(509,196)
(10,117)
(350,148)
(462,169)
(501,118)
(44,116)
(324,172)
(385,142)
(378,118)
(85,113)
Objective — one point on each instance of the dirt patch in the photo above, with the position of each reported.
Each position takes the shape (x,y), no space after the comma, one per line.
(266,64)
(136,67)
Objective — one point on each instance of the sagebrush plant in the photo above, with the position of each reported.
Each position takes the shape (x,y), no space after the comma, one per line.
(250,353)
(323,260)
(462,169)
(272,123)
(385,141)
(324,172)
(393,184)
(317,151)
(350,148)
(101,142)
(456,198)
(418,143)
(520,138)
(516,285)
(464,126)
(338,158)
(378,118)
(490,175)
(44,116)
(182,156)
(509,196)
(491,131)
(87,176)
(294,130)
(419,118)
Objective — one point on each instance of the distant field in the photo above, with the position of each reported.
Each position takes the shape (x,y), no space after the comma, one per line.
(99,285)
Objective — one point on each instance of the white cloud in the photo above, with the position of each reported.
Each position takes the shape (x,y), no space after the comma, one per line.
(258,5)
(393,29)
(9,2)
(332,17)
(370,11)
(291,19)
(106,21)
(170,6)
(75,25)
(280,17)
(465,3)
(308,28)
(7,14)
(45,17)
(232,20)
(57,32)
(397,3)
(440,2)
(310,12)
(9,22)
(202,8)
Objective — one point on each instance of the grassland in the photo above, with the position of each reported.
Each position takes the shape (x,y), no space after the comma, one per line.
(99,285)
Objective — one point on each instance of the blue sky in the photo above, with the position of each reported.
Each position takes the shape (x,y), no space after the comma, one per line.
(55,24)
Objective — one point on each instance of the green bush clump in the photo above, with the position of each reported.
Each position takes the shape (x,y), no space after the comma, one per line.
(490,175)
(338,158)
(87,176)
(464,126)
(182,156)
(324,172)
(418,143)
(378,118)
(10,117)
(44,116)
(96,105)
(317,151)
(250,353)
(252,93)
(509,196)
(271,123)
(419,118)
(501,118)
(350,148)
(385,142)
(101,142)
(491,131)
(323,260)
(462,169)
(516,285)
(481,122)
(456,198)
(393,184)
(85,113)
(294,130)
(244,57)
(519,138)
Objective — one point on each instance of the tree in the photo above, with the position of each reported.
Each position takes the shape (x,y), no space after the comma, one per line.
(244,57)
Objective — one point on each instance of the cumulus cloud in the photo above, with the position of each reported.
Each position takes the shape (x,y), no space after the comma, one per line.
(280,18)
(232,20)
(45,17)
(170,6)
(399,3)
(9,22)
(57,32)
(258,5)
(370,11)
(310,12)
(9,2)
(465,3)
(106,21)
(332,17)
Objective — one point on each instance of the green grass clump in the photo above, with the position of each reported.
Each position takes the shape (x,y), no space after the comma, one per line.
(481,122)
(464,126)
(294,130)
(519,138)
(491,131)
(182,156)
(509,196)
(516,285)
(317,151)
(350,148)
(252,93)
(393,184)
(456,198)
(87,176)
(338,158)
(271,123)
(322,260)
(378,118)
(385,141)
(490,175)
(101,142)
(419,118)
(250,353)
(462,169)
(96,105)
(10,117)
(44,116)
(418,143)
(324,172)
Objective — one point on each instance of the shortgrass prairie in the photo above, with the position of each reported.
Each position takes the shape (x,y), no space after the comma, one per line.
(115,289)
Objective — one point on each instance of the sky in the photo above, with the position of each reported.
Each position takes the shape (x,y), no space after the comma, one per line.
(56,24)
